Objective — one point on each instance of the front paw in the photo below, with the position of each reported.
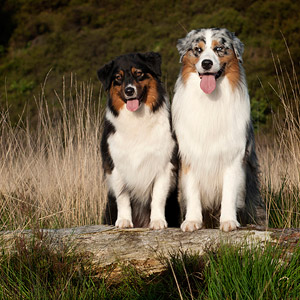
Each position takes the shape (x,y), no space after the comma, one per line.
(158,224)
(229,225)
(124,223)
(191,225)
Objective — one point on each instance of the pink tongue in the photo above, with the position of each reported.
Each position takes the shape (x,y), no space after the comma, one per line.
(132,105)
(208,83)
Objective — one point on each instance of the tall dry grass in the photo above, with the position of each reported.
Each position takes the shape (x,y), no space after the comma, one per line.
(279,153)
(50,173)
(51,176)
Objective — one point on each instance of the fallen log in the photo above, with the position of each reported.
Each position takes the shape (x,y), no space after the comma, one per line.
(109,247)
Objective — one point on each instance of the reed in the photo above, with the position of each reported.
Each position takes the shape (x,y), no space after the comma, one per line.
(51,173)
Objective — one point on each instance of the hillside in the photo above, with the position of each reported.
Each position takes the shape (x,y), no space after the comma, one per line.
(75,36)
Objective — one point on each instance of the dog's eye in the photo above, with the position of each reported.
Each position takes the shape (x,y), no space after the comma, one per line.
(219,48)
(139,74)
(118,77)
(197,50)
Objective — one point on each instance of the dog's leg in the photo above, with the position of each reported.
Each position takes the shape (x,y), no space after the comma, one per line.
(191,194)
(232,194)
(110,213)
(159,196)
(115,182)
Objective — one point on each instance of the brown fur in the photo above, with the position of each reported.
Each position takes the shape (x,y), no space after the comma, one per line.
(152,91)
(201,45)
(214,44)
(188,62)
(135,70)
(150,84)
(115,94)
(107,168)
(232,70)
(185,168)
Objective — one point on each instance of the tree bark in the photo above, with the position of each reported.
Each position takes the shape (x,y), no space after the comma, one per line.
(110,248)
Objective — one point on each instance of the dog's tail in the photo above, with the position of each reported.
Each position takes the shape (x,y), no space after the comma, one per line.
(254,211)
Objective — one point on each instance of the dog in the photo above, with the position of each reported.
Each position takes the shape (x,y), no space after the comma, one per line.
(139,152)
(211,119)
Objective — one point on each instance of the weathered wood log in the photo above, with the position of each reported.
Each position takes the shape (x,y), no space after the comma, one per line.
(109,247)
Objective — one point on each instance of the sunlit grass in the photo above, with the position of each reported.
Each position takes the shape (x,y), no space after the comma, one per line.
(35,271)
(51,172)
(279,153)
(51,176)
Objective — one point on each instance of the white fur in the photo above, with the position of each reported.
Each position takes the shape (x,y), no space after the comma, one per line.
(141,149)
(211,133)
(208,53)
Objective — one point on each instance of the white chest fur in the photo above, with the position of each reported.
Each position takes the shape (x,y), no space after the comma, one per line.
(141,147)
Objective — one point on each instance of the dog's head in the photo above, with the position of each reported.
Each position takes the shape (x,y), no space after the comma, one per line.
(130,78)
(211,53)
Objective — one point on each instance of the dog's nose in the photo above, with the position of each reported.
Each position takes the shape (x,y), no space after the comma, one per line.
(206,64)
(129,91)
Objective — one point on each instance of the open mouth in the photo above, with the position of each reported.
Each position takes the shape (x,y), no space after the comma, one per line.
(208,80)
(133,104)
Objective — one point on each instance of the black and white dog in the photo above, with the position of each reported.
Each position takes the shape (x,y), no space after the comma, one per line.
(211,119)
(139,153)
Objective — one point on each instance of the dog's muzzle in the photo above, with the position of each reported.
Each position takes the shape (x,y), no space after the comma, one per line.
(208,80)
(220,72)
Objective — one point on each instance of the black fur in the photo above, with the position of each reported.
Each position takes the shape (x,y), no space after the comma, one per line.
(149,63)
(107,162)
(254,211)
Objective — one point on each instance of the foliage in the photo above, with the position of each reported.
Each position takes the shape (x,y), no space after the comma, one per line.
(35,271)
(243,274)
(280,151)
(79,36)
(51,171)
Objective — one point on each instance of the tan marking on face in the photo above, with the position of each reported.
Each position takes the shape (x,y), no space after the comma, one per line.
(188,65)
(201,45)
(135,71)
(115,95)
(189,61)
(214,44)
(232,70)
(152,94)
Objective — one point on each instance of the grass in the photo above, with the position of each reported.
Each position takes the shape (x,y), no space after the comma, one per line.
(51,177)
(51,173)
(258,274)
(35,271)
(279,153)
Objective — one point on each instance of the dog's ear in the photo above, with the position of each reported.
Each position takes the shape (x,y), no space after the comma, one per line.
(182,48)
(104,74)
(238,48)
(184,44)
(152,60)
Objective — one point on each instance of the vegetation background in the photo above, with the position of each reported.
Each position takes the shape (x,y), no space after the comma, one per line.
(52,102)
(50,130)
(79,36)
